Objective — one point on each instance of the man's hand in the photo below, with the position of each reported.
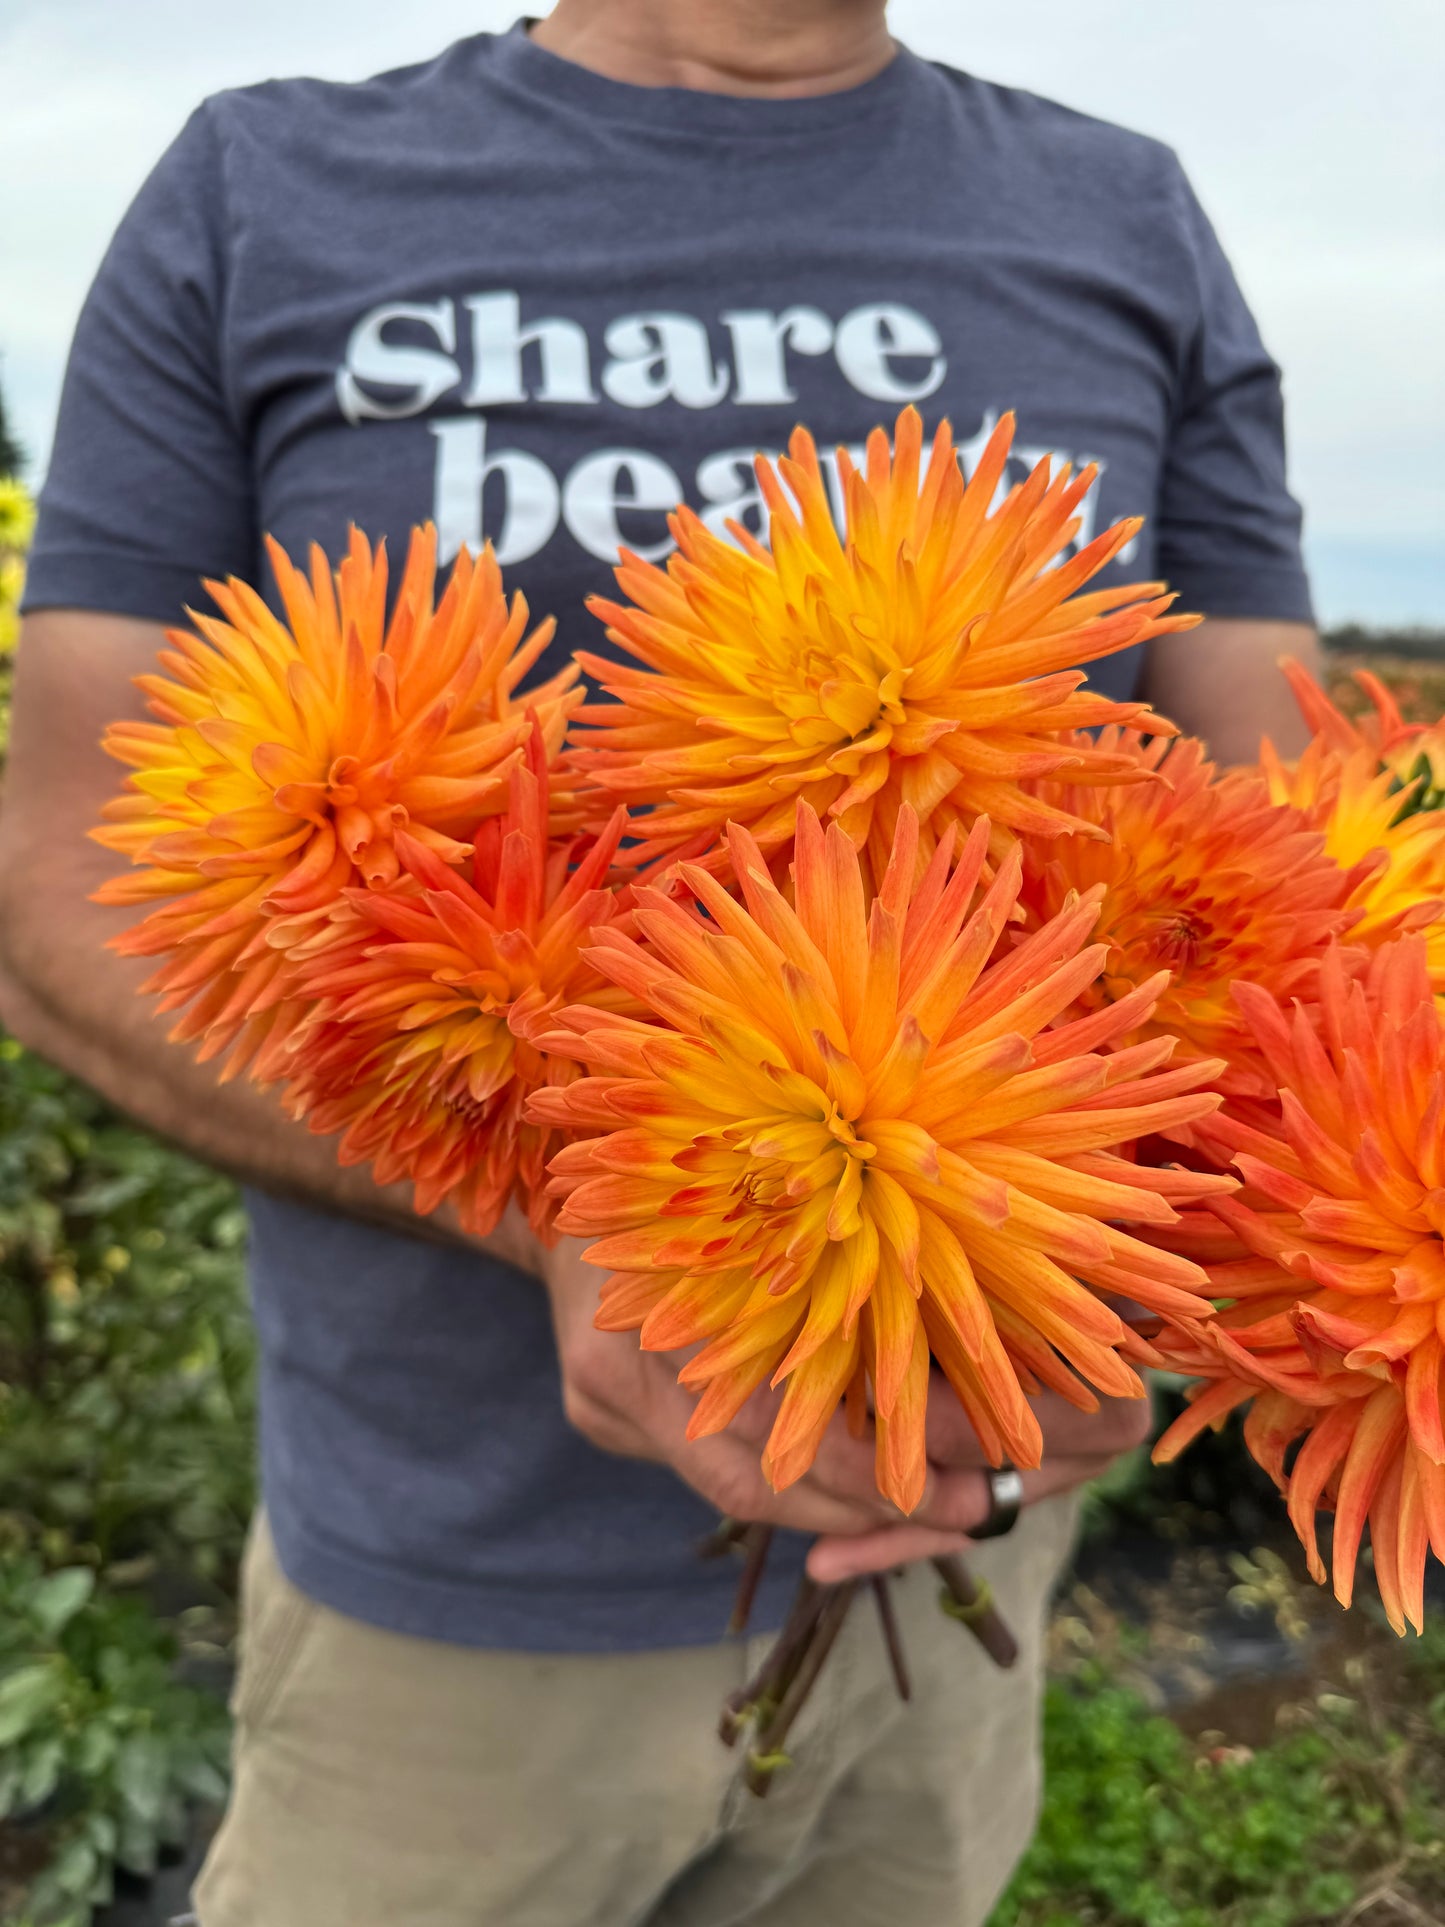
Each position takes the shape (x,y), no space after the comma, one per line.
(628,1401)
(1078,1447)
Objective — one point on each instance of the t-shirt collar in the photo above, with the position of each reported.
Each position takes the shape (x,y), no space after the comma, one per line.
(686,110)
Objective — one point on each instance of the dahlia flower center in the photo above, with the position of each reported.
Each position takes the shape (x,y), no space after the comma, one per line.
(467,1086)
(1180,940)
(1174,936)
(475,1113)
(359,801)
(838,698)
(791,1158)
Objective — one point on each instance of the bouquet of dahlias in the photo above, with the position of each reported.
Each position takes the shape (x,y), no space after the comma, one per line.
(899,1018)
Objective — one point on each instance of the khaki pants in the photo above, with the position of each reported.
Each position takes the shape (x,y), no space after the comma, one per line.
(386,1781)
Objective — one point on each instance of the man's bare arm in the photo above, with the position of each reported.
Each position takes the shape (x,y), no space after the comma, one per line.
(1221,681)
(64,995)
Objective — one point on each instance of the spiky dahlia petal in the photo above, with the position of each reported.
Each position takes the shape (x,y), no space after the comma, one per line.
(424,1005)
(1413,752)
(1374,792)
(1332,1271)
(1206,876)
(287,755)
(927,658)
(834,1152)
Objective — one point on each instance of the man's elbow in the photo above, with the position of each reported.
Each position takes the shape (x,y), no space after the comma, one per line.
(30,923)
(15,915)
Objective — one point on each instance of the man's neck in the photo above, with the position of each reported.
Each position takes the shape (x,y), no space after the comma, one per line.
(758,47)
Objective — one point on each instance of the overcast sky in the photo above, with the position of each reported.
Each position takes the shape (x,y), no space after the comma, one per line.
(1314,131)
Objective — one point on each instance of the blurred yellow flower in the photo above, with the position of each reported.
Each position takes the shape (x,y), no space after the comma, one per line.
(17,524)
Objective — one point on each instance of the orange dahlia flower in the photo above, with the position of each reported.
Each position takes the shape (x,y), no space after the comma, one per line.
(1351,785)
(1202,875)
(843,1143)
(428,999)
(286,756)
(925,658)
(1333,1267)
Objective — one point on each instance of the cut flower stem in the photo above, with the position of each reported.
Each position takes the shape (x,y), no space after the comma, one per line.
(769,1704)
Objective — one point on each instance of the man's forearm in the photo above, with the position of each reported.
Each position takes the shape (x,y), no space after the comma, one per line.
(1222,681)
(79,1013)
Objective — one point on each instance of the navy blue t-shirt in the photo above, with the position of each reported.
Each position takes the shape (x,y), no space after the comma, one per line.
(541,307)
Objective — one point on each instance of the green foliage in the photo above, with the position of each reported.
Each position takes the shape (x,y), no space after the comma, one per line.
(1140,1829)
(12,456)
(126,1449)
(126,1410)
(1144,1827)
(1421,789)
(1423,642)
(126,1442)
(99,1746)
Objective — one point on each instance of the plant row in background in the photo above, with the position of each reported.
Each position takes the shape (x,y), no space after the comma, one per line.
(126,1428)
(126,1447)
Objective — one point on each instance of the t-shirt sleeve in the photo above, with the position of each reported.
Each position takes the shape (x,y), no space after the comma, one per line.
(148,487)
(1228,527)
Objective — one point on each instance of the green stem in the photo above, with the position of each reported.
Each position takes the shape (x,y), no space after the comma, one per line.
(768,1754)
(970,1601)
(769,1683)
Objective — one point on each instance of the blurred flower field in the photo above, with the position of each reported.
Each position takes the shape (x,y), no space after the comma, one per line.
(1417,682)
(17,519)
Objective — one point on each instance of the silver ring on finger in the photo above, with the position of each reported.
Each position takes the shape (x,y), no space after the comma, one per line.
(1005,1500)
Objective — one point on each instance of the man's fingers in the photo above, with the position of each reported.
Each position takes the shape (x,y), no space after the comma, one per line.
(964,1494)
(630,1403)
(833,1560)
(852,1557)
(727,1473)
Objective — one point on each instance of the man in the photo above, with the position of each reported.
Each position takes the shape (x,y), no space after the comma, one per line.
(539,289)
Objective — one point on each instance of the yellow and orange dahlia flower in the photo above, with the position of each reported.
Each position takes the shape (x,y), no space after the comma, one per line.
(1205,876)
(1362,787)
(1332,1263)
(286,757)
(844,1143)
(927,657)
(428,1000)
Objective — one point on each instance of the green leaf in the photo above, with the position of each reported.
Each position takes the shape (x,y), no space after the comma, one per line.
(75,1868)
(138,1844)
(141,1776)
(203,1780)
(42,1774)
(26,1697)
(58,1598)
(101,1831)
(95,1750)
